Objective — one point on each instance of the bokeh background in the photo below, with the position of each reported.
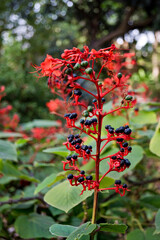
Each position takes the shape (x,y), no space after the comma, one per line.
(28,31)
(31,29)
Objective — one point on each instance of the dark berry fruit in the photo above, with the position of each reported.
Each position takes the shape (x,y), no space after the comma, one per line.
(82,172)
(89,177)
(117,130)
(68,158)
(77,147)
(77,92)
(125,144)
(124,185)
(110,130)
(81,179)
(82,121)
(73,142)
(76,136)
(114,157)
(127,162)
(107,126)
(88,151)
(118,182)
(119,139)
(74,115)
(70,176)
(90,147)
(129,149)
(126,127)
(84,147)
(79,140)
(94,100)
(74,156)
(122,163)
(70,136)
(121,149)
(121,129)
(127,131)
(103,100)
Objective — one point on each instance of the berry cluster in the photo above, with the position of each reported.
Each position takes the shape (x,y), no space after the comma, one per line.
(63,75)
(81,179)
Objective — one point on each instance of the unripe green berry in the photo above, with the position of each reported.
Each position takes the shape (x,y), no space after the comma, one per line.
(84,63)
(85,113)
(99,83)
(68,71)
(128,97)
(89,70)
(90,109)
(119,75)
(77,66)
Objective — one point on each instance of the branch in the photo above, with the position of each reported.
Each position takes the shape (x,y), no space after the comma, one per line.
(142,182)
(123,27)
(13,201)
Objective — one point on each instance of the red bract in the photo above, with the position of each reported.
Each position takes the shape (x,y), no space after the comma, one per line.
(76,66)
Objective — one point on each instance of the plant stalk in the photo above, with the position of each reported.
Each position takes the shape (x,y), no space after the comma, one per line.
(98,147)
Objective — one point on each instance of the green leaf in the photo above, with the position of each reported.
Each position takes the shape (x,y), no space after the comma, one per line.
(61,230)
(150,234)
(136,234)
(8,151)
(151,201)
(9,170)
(134,157)
(154,143)
(7,179)
(106,182)
(85,229)
(33,226)
(9,134)
(46,182)
(118,228)
(157,222)
(57,150)
(64,196)
(40,123)
(144,117)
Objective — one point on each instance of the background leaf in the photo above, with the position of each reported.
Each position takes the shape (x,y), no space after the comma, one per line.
(33,226)
(8,150)
(65,197)
(154,143)
(61,230)
(118,228)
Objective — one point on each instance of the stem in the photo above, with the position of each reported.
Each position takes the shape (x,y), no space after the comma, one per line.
(98,145)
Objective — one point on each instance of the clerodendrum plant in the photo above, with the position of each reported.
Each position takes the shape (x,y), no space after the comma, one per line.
(64,77)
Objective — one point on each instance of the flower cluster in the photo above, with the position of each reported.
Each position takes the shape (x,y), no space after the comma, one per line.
(64,76)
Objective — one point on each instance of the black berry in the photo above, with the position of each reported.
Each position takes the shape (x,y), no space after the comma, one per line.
(129,149)
(125,144)
(89,177)
(127,131)
(81,179)
(118,182)
(70,176)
